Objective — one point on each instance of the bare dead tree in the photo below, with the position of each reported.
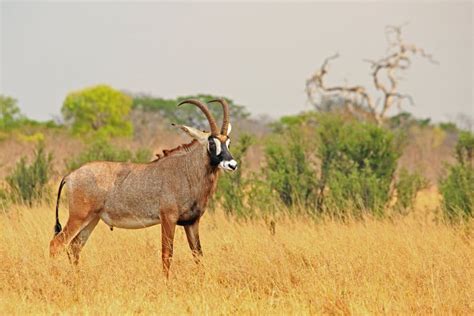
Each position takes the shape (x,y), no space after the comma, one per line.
(384,74)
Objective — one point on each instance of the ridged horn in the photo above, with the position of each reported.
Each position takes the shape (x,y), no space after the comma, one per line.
(225,120)
(205,110)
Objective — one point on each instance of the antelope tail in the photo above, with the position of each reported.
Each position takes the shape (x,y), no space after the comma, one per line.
(57,227)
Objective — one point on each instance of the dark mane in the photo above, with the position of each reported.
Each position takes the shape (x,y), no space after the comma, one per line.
(177,150)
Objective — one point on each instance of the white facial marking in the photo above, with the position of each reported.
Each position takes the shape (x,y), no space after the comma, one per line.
(218,145)
(227,142)
(228,165)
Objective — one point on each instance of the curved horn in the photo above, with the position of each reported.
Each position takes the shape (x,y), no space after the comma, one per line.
(225,120)
(205,110)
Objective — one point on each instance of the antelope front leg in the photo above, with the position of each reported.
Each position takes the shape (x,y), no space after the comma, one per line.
(192,234)
(167,236)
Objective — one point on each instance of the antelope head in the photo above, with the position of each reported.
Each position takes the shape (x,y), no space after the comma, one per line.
(218,142)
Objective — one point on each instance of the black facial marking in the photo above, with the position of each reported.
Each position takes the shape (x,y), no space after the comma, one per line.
(215,159)
(224,155)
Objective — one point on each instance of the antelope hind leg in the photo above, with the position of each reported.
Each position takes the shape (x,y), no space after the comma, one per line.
(61,240)
(81,238)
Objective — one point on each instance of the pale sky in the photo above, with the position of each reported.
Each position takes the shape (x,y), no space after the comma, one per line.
(258,54)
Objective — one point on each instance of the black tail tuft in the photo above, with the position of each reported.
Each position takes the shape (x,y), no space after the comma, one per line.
(57,227)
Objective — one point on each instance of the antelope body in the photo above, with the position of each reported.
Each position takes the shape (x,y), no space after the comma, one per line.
(172,190)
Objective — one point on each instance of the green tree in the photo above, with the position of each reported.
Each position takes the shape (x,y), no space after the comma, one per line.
(330,163)
(465,149)
(457,187)
(288,172)
(100,110)
(189,115)
(407,187)
(358,162)
(231,188)
(9,112)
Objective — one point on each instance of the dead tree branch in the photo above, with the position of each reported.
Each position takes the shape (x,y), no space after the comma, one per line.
(384,76)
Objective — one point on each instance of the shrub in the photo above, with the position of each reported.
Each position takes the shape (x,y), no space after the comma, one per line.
(261,198)
(327,163)
(457,188)
(231,187)
(101,149)
(358,161)
(465,149)
(355,192)
(28,182)
(407,186)
(448,127)
(288,172)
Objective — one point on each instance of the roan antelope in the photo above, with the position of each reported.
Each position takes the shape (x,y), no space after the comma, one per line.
(172,190)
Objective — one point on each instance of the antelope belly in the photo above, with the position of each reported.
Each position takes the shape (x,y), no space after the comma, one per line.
(130,220)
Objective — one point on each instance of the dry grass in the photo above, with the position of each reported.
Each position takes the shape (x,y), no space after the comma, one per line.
(401,267)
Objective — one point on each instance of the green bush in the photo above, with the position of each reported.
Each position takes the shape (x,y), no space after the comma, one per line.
(356,192)
(262,199)
(358,161)
(102,150)
(465,149)
(288,172)
(327,163)
(28,182)
(457,188)
(407,186)
(231,187)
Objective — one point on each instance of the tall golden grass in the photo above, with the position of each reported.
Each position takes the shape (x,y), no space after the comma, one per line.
(403,266)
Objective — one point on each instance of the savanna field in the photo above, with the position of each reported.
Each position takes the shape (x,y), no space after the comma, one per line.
(330,212)
(403,265)
(336,178)
(327,215)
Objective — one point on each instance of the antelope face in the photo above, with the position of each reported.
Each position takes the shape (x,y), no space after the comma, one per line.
(218,148)
(218,142)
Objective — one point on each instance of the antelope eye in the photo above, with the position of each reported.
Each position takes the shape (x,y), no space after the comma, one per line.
(215,146)
(211,145)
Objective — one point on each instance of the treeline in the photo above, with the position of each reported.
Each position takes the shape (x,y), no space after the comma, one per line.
(331,164)
(326,162)
(97,116)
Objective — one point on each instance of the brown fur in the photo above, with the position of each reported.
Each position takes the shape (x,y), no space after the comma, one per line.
(172,190)
(222,138)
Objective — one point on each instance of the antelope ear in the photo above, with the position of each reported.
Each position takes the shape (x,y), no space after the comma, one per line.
(194,132)
(229,129)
